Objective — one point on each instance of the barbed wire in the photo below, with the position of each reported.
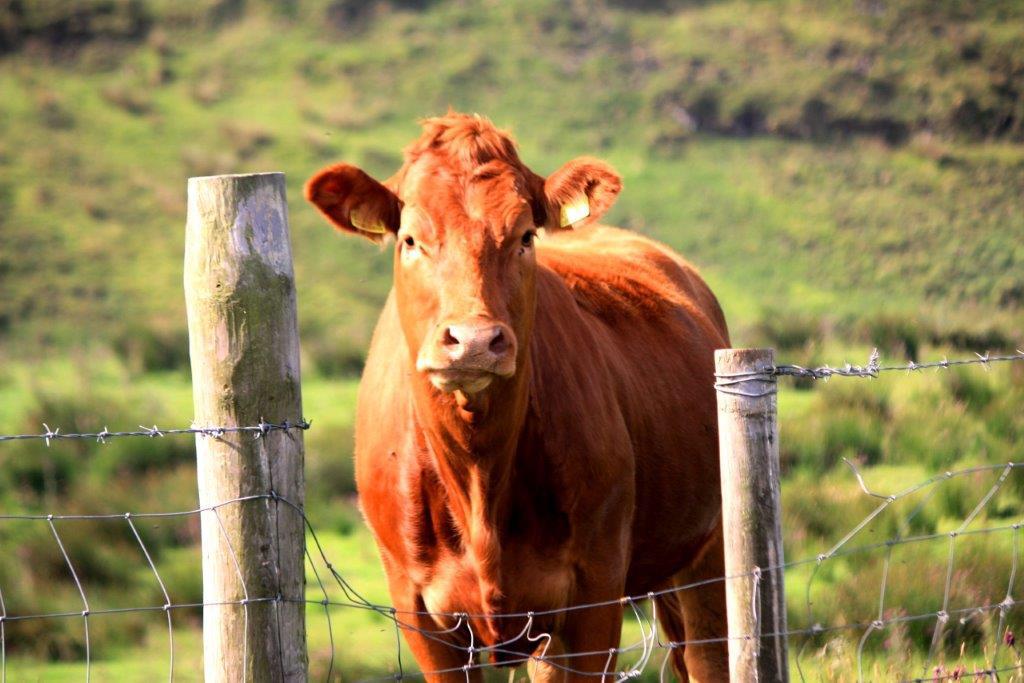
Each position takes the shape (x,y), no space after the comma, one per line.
(736,383)
(873,367)
(258,430)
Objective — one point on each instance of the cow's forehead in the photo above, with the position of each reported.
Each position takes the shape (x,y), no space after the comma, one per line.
(491,195)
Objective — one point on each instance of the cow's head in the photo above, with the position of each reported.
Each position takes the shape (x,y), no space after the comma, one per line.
(464,212)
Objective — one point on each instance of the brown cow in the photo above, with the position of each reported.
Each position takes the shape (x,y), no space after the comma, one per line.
(536,422)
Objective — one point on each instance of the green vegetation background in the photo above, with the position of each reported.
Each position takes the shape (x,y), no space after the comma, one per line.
(846,175)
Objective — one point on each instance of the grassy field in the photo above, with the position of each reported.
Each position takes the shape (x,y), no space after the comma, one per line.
(846,175)
(699,108)
(900,431)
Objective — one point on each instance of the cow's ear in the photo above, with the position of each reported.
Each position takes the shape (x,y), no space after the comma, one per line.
(580,192)
(354,202)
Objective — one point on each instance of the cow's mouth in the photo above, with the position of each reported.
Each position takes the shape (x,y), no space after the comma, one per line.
(467,381)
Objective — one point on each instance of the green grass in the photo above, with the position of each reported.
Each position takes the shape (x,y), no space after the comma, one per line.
(132,665)
(821,504)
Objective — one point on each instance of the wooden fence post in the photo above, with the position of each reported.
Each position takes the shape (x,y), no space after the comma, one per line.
(751,515)
(244,345)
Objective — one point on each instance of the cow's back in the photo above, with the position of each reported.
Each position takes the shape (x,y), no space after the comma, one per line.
(663,325)
(617,274)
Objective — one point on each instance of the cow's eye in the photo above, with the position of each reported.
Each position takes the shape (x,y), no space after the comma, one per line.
(409,242)
(528,238)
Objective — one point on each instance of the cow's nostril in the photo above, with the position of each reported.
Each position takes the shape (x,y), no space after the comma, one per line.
(476,344)
(499,343)
(449,338)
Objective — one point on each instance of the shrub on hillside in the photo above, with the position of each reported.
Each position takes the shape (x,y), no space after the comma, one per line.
(127,98)
(53,112)
(331,352)
(896,336)
(145,348)
(787,329)
(244,138)
(329,461)
(61,26)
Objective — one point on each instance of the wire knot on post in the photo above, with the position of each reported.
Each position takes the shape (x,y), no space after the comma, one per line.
(754,384)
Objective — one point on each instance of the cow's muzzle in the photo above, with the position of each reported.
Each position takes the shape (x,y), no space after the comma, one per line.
(467,356)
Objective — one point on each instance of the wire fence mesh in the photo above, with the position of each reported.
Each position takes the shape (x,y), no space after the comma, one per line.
(984,622)
(50,436)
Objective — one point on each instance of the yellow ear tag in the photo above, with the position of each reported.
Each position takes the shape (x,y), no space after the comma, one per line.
(375,227)
(575,211)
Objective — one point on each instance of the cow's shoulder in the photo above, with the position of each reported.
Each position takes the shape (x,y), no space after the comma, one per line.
(396,487)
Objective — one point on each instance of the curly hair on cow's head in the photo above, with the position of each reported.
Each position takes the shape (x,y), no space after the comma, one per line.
(470,138)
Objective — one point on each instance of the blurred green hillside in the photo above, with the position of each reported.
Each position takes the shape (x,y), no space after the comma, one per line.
(846,175)
(815,159)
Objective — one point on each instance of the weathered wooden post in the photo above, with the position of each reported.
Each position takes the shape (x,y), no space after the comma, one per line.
(751,514)
(244,344)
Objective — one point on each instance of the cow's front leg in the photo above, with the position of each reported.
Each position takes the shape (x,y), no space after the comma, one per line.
(595,630)
(540,668)
(589,636)
(440,655)
(440,650)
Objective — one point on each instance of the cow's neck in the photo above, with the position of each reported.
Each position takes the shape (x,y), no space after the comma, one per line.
(473,446)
